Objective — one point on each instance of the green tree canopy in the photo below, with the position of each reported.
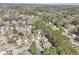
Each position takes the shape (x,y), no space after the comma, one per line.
(40,24)
(33,49)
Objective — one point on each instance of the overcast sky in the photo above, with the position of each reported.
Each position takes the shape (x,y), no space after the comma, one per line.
(39,1)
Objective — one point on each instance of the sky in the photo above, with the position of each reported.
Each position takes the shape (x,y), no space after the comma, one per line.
(39,1)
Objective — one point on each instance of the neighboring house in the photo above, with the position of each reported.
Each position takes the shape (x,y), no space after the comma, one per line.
(3,40)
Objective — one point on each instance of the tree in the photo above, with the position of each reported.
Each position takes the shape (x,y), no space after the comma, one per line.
(15,31)
(77,28)
(33,30)
(33,49)
(50,51)
(5,18)
(21,35)
(14,28)
(12,41)
(40,24)
(75,21)
(60,42)
(60,51)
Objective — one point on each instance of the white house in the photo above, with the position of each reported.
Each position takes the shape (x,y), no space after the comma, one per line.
(3,40)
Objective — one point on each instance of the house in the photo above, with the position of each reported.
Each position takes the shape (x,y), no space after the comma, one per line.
(3,40)
(2,30)
(19,41)
(70,27)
